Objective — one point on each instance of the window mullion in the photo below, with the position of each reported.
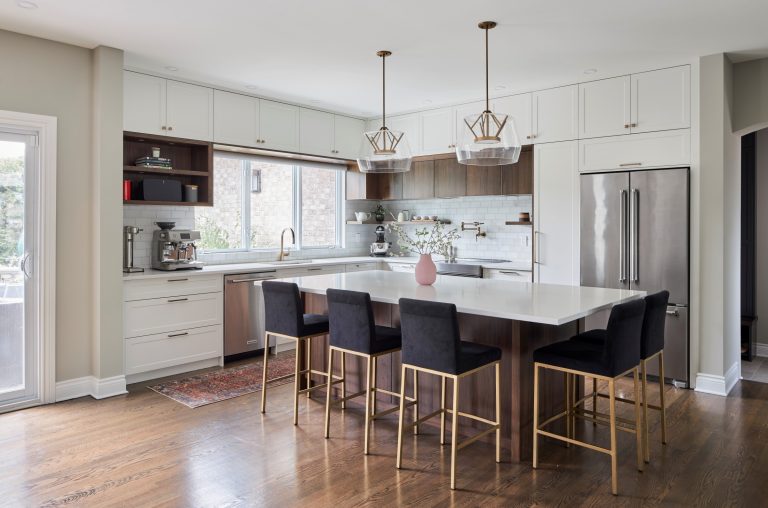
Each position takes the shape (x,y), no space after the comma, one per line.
(297,222)
(245,205)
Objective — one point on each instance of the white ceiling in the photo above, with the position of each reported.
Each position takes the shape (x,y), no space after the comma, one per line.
(322,52)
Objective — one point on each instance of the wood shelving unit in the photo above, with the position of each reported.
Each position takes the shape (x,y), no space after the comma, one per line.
(192,165)
(409,222)
(518,223)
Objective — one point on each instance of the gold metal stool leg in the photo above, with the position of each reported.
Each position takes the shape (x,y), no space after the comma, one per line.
(374,384)
(497,373)
(442,409)
(264,374)
(328,395)
(646,447)
(661,399)
(416,399)
(638,423)
(612,417)
(297,382)
(309,368)
(399,461)
(535,416)
(454,431)
(343,380)
(594,401)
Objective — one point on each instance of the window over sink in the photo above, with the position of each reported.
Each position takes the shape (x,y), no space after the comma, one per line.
(256,197)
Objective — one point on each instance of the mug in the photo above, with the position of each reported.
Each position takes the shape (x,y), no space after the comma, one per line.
(362,216)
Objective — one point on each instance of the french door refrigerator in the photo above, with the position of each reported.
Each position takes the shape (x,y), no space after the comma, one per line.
(634,235)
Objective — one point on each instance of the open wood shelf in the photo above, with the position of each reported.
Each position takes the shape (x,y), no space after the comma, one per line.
(165,203)
(408,222)
(518,223)
(162,171)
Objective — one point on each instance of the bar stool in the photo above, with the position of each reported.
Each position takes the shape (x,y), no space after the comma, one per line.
(285,318)
(651,345)
(432,344)
(617,356)
(354,331)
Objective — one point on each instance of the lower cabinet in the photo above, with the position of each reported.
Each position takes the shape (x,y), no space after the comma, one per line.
(160,351)
(512,275)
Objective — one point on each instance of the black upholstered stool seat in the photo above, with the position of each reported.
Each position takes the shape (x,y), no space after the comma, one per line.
(432,345)
(575,355)
(354,331)
(285,317)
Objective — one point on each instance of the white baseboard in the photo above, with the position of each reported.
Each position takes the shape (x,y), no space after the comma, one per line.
(90,385)
(172,371)
(762,350)
(718,385)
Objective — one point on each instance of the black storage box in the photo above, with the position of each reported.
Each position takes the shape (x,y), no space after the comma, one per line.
(158,189)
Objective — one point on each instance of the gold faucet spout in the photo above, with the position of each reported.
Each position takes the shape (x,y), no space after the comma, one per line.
(283,253)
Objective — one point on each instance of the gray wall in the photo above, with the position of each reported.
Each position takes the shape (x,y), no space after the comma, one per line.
(761,247)
(750,95)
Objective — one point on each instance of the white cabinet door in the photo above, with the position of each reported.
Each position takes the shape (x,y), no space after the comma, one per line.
(661,100)
(555,114)
(279,126)
(604,108)
(316,132)
(437,131)
(166,315)
(348,136)
(152,352)
(411,126)
(636,151)
(189,111)
(461,112)
(556,213)
(235,119)
(519,110)
(143,103)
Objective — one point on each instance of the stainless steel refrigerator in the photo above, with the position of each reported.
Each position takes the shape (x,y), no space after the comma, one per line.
(634,235)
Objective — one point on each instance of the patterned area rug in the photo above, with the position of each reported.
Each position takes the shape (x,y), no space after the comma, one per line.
(203,389)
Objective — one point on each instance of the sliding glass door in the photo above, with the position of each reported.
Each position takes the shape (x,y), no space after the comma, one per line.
(19,343)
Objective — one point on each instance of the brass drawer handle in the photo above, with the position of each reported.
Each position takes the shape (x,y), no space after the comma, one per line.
(629,164)
(177,280)
(178,334)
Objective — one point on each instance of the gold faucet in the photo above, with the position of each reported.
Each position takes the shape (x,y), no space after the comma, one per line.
(283,253)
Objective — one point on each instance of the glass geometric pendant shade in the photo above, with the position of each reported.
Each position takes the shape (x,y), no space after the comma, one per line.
(384,150)
(488,139)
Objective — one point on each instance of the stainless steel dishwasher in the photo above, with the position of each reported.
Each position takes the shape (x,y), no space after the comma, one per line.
(244,312)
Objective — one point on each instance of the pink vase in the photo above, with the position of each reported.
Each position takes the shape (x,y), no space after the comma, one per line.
(426,271)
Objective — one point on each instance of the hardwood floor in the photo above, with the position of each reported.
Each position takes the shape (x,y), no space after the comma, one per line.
(143,449)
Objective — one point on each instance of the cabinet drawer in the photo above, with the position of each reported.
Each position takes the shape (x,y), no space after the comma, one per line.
(514,275)
(161,315)
(309,269)
(636,151)
(152,352)
(173,285)
(362,267)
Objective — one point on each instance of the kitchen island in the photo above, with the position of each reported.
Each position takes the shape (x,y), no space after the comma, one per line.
(517,317)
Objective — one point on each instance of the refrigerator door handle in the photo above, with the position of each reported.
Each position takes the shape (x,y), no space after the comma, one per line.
(623,236)
(634,251)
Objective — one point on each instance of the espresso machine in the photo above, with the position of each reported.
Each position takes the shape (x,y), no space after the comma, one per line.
(175,249)
(380,247)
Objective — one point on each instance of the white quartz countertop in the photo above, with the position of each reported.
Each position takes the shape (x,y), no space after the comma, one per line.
(228,269)
(550,304)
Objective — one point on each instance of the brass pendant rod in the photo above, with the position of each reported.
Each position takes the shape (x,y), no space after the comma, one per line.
(487,101)
(384,90)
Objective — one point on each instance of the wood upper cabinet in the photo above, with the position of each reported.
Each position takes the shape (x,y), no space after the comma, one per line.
(279,126)
(153,105)
(419,182)
(519,108)
(518,178)
(661,100)
(386,186)
(347,136)
(604,108)
(144,103)
(483,180)
(235,119)
(555,114)
(450,178)
(316,132)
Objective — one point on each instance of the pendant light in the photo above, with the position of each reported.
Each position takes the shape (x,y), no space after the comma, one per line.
(384,150)
(488,139)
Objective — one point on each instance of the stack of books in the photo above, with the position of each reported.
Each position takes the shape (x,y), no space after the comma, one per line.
(154,162)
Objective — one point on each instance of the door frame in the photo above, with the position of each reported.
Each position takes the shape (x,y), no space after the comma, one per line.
(45,127)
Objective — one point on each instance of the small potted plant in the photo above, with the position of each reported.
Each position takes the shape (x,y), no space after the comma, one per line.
(426,241)
(379,213)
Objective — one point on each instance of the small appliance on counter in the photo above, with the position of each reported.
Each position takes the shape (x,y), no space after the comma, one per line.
(174,249)
(380,248)
(129,235)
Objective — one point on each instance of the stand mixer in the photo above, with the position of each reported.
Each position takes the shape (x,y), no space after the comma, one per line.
(380,247)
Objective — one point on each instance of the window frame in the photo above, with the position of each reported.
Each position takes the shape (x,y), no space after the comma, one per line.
(296,167)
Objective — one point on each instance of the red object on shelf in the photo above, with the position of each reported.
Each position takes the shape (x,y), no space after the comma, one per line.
(126,190)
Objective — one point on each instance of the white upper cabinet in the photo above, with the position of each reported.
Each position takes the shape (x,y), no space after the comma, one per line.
(438,131)
(348,136)
(316,132)
(189,111)
(556,213)
(411,126)
(235,119)
(519,108)
(636,151)
(555,114)
(143,103)
(460,113)
(604,108)
(279,126)
(661,100)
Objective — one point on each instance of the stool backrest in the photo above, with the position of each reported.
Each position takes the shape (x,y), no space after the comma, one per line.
(430,334)
(283,309)
(653,324)
(350,317)
(624,331)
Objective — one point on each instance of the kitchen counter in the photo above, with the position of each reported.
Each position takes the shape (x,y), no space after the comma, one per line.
(228,269)
(549,304)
